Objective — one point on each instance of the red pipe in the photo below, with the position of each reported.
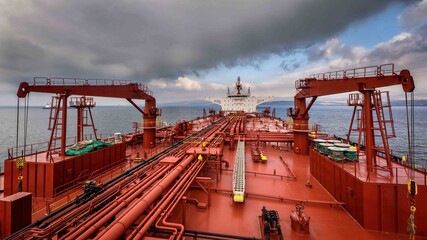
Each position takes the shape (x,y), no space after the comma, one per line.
(174,195)
(214,132)
(93,224)
(58,222)
(170,226)
(90,227)
(123,224)
(171,193)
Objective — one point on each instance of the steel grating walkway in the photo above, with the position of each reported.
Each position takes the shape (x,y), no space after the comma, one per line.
(239,173)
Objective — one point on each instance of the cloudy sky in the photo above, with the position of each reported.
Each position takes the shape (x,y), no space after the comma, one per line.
(186,50)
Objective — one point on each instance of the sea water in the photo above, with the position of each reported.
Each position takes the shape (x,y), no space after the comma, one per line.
(334,120)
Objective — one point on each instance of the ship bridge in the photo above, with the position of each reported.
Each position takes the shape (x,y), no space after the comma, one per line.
(238,101)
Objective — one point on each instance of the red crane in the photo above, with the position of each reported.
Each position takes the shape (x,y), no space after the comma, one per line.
(65,87)
(364,80)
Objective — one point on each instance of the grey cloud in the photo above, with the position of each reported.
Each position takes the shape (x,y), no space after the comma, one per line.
(394,50)
(415,15)
(290,64)
(328,50)
(15,53)
(315,53)
(157,39)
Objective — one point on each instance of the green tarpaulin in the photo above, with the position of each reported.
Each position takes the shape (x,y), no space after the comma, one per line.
(85,147)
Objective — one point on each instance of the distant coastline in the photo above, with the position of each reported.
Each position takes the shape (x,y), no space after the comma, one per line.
(344,103)
(202,103)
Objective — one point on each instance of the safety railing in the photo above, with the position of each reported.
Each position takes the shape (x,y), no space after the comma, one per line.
(381,174)
(401,175)
(29,149)
(66,192)
(422,167)
(44,81)
(362,72)
(144,88)
(36,148)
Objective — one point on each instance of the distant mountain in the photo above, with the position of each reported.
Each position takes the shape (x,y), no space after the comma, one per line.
(203,103)
(291,103)
(193,103)
(276,103)
(403,103)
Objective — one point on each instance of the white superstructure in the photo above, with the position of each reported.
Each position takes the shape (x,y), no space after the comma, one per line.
(239,102)
(47,106)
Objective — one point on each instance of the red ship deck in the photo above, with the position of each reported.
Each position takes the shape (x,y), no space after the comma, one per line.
(401,174)
(276,184)
(328,219)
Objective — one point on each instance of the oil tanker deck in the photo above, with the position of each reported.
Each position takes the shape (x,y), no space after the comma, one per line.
(237,174)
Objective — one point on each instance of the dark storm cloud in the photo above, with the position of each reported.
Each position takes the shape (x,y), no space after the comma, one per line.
(16,53)
(142,40)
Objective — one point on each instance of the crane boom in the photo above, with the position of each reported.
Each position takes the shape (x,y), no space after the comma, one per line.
(96,88)
(360,79)
(66,87)
(314,87)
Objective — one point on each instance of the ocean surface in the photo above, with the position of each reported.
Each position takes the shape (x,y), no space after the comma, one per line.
(109,120)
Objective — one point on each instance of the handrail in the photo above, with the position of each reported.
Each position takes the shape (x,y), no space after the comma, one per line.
(35,148)
(422,180)
(362,72)
(398,178)
(44,81)
(83,176)
(394,158)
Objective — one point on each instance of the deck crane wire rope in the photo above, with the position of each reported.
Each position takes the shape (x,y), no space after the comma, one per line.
(20,162)
(412,186)
(27,103)
(25,134)
(17,128)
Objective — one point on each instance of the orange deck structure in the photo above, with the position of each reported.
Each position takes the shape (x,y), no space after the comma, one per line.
(51,177)
(206,207)
(231,175)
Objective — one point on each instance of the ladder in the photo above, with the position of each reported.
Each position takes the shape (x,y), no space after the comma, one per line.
(384,124)
(384,113)
(55,124)
(357,121)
